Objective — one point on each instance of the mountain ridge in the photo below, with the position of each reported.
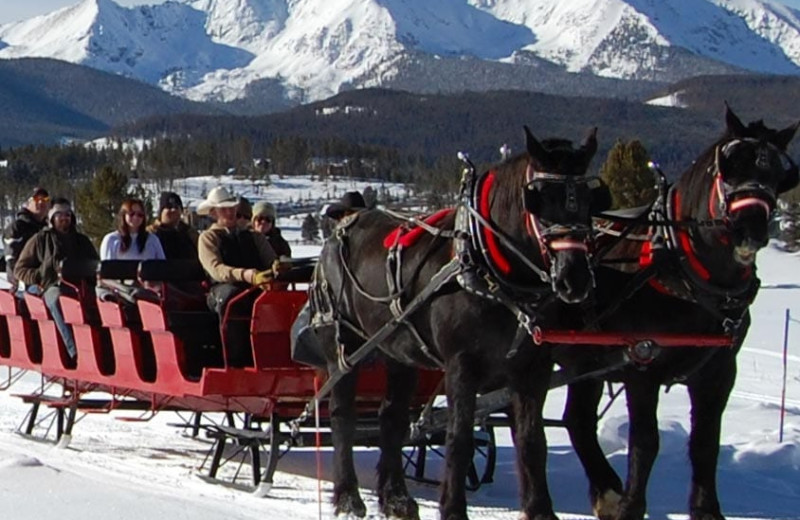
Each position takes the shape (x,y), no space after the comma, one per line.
(215,50)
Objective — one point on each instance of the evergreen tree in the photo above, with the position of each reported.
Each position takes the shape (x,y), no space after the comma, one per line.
(309,231)
(788,221)
(99,200)
(628,177)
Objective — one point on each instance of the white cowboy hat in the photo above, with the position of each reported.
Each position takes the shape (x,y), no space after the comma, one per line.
(218,197)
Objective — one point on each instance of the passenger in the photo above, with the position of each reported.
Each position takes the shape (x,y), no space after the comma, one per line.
(131,241)
(244,212)
(234,258)
(38,264)
(264,222)
(178,239)
(351,202)
(31,219)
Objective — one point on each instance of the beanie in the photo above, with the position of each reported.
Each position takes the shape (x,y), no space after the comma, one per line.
(169,199)
(60,205)
(264,209)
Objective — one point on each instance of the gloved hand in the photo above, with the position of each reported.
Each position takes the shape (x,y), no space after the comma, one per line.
(263,277)
(280,267)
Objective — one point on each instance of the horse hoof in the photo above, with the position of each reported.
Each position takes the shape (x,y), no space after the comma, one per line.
(350,506)
(606,507)
(401,508)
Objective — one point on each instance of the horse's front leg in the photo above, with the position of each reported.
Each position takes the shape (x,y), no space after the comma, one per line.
(709,393)
(461,385)
(643,440)
(580,418)
(394,498)
(346,498)
(528,392)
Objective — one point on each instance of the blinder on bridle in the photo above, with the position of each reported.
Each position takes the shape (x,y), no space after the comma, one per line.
(575,233)
(733,198)
(600,194)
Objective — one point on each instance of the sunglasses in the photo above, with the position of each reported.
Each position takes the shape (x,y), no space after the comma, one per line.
(41,199)
(265,219)
(136,214)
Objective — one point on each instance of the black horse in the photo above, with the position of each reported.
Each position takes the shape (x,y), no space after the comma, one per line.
(520,236)
(700,280)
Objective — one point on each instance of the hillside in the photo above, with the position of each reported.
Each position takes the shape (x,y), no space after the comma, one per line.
(439,125)
(46,101)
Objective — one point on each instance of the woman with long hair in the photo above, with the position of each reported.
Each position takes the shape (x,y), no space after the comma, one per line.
(131,241)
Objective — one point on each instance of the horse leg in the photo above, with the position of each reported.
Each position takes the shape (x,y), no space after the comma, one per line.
(643,440)
(580,419)
(394,499)
(709,396)
(346,498)
(527,398)
(461,385)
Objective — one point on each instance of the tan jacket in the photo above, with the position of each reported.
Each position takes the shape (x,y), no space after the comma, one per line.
(211,257)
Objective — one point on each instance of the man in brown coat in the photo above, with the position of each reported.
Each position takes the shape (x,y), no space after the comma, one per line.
(234,259)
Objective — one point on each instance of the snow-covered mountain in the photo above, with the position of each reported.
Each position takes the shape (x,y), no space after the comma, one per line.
(214,49)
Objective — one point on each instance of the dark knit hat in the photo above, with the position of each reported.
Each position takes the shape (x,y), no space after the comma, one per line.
(39,192)
(350,201)
(169,199)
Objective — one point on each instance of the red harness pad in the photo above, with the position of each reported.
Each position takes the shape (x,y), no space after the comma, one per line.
(407,237)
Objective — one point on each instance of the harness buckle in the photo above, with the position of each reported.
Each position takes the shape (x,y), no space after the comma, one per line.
(491,283)
(525,321)
(731,326)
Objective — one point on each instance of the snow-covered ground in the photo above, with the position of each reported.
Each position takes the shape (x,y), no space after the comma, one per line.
(133,470)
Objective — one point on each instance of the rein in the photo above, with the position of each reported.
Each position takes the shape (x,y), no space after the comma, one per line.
(462,267)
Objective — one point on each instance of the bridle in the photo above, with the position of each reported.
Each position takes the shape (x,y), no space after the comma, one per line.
(553,238)
(727,200)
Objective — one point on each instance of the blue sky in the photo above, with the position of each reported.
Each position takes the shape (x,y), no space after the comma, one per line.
(11,10)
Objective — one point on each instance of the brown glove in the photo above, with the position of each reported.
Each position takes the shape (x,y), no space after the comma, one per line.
(263,277)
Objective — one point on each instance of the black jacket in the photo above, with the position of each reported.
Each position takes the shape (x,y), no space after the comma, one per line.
(278,243)
(17,235)
(177,242)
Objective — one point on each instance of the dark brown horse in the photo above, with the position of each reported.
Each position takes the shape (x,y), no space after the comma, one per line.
(701,280)
(519,237)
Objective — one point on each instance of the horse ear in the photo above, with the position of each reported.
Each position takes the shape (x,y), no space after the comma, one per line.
(590,143)
(785,136)
(735,126)
(533,146)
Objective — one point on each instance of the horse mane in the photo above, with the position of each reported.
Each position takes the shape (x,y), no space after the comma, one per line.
(510,175)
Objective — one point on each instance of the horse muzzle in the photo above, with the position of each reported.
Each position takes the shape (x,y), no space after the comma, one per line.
(571,272)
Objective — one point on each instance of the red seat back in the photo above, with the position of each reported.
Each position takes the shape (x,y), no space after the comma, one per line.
(273,315)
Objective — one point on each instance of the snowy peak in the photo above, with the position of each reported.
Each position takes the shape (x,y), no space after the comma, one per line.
(217,49)
(628,38)
(147,43)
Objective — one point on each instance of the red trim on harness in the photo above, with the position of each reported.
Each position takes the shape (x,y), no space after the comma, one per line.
(495,254)
(686,244)
(645,259)
(407,237)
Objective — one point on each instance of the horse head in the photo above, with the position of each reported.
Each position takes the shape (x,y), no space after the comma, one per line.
(749,168)
(559,200)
